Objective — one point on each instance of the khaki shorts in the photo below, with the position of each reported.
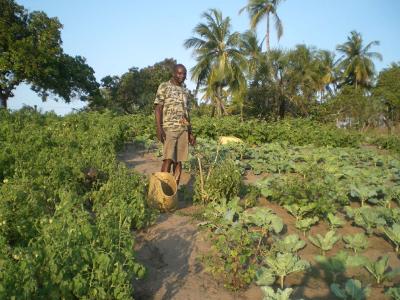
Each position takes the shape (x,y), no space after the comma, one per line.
(176,145)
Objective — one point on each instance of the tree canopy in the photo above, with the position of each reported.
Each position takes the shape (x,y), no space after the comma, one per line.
(31,52)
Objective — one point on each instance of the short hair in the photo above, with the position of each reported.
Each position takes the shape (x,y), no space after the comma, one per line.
(176,66)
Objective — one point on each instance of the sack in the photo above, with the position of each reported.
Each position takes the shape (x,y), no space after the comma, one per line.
(223,140)
(163,191)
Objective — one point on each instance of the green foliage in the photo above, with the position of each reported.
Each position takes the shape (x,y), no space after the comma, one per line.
(393,233)
(67,207)
(393,293)
(223,213)
(335,221)
(31,52)
(363,193)
(289,244)
(334,265)
(358,242)
(305,224)
(315,188)
(357,61)
(232,264)
(224,181)
(264,277)
(293,131)
(264,218)
(284,264)
(220,65)
(389,142)
(299,211)
(352,290)
(270,294)
(135,90)
(379,269)
(325,243)
(366,217)
(387,90)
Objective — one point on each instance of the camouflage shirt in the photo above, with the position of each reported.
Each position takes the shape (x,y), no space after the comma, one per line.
(174,99)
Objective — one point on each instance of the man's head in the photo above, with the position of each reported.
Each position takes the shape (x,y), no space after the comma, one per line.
(179,74)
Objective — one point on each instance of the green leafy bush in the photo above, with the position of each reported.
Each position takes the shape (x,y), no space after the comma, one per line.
(224,181)
(67,207)
(352,290)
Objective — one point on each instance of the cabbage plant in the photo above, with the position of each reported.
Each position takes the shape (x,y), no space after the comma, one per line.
(352,290)
(357,242)
(325,243)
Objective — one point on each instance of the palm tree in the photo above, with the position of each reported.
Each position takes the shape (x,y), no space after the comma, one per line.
(251,48)
(220,64)
(356,62)
(258,9)
(328,73)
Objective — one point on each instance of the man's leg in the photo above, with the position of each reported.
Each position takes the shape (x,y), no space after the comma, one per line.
(182,154)
(169,152)
(166,165)
(177,167)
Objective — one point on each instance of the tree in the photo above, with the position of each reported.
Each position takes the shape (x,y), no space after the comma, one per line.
(220,63)
(356,62)
(387,91)
(135,90)
(328,73)
(251,48)
(259,9)
(31,52)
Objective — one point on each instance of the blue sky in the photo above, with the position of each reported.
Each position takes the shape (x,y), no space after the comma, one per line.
(116,35)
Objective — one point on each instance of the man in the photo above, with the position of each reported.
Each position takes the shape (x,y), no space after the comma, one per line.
(173,122)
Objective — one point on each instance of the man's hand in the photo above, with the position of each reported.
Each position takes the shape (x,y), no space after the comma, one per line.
(192,139)
(161,134)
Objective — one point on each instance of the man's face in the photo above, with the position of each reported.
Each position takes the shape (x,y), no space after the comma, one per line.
(180,75)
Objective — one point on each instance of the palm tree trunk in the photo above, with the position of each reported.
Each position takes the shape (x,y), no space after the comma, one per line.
(267,35)
(282,108)
(3,101)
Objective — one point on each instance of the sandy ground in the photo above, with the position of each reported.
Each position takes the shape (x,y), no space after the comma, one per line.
(170,250)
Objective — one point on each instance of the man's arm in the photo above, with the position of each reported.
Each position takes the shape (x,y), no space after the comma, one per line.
(192,139)
(159,122)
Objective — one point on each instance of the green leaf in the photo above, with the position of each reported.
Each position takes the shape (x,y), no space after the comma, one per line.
(357,242)
(265,277)
(290,243)
(326,242)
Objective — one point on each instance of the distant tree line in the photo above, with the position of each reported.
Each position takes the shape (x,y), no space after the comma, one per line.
(233,74)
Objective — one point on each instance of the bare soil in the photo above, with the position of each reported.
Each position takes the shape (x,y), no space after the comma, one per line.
(170,250)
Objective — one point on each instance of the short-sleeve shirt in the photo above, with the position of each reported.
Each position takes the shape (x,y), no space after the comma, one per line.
(174,99)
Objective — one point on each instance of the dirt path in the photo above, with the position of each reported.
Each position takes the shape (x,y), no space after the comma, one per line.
(170,250)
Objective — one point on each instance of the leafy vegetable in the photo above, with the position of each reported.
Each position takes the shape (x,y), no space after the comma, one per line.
(334,265)
(379,269)
(393,293)
(305,224)
(290,243)
(358,242)
(270,294)
(335,221)
(283,264)
(366,217)
(352,290)
(326,242)
(393,233)
(299,211)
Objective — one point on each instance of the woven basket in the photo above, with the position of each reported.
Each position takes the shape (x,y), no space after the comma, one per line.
(162,191)
(223,140)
